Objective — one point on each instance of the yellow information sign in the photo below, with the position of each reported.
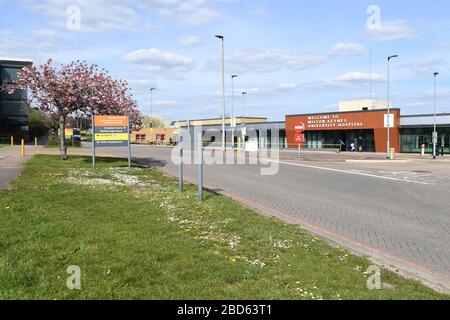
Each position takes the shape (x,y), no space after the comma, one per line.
(68,132)
(111,137)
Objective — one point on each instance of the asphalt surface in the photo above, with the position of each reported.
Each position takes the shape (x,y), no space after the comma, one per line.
(397,214)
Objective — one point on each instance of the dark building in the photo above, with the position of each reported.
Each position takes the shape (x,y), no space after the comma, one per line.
(13,107)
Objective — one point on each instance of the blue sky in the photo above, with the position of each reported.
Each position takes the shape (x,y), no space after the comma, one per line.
(291,56)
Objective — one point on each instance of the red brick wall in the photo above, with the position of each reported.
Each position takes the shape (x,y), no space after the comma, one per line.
(348,121)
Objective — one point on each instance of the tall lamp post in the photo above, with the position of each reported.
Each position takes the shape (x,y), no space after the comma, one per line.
(223,92)
(388,145)
(151,113)
(233,124)
(151,107)
(435,135)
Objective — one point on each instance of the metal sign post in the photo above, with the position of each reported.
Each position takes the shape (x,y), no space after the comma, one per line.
(180,179)
(129,143)
(93,141)
(200,169)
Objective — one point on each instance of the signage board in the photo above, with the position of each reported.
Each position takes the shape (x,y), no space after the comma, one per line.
(389,120)
(299,138)
(111,131)
(233,122)
(299,127)
(435,137)
(68,132)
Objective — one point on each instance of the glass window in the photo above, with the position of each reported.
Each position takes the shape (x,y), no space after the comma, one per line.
(9,73)
(13,108)
(413,138)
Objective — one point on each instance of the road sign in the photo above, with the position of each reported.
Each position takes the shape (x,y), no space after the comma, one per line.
(299,138)
(435,137)
(389,120)
(299,127)
(233,122)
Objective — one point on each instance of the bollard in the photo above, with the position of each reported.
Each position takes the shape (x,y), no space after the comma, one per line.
(12,141)
(35,143)
(180,179)
(23,147)
(392,153)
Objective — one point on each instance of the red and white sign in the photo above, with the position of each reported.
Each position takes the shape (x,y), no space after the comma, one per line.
(299,138)
(299,127)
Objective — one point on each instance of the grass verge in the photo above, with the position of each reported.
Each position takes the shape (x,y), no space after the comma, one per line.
(135,237)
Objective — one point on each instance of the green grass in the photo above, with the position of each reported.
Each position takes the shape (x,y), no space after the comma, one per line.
(146,241)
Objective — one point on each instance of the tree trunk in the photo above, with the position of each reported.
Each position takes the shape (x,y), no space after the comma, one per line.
(62,137)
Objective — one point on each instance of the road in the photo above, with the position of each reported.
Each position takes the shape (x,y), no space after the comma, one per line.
(398,218)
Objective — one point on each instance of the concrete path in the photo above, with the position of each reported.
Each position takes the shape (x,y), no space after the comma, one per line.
(11,163)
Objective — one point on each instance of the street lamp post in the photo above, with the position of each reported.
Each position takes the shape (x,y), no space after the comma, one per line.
(435,136)
(151,107)
(232,110)
(223,92)
(151,114)
(388,145)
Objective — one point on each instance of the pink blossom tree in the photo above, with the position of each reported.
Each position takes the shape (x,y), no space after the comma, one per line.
(76,89)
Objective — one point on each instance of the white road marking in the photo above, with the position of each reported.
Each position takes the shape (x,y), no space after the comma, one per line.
(348,172)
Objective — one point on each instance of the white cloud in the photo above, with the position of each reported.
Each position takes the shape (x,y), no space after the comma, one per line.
(124,15)
(141,84)
(189,41)
(392,30)
(347,81)
(272,90)
(39,44)
(348,49)
(426,67)
(159,61)
(199,17)
(163,104)
(259,12)
(360,77)
(267,60)
(270,60)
